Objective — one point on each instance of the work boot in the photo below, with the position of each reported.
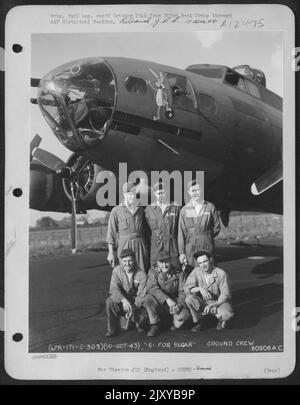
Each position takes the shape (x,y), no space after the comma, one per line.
(128,325)
(221,325)
(110,333)
(154,330)
(139,328)
(198,327)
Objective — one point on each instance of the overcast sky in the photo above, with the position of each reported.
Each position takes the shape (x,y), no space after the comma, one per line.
(262,50)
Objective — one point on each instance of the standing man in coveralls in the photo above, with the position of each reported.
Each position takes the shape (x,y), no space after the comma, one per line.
(162,218)
(126,229)
(199,224)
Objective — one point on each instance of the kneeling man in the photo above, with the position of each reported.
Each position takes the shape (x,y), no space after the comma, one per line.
(208,292)
(165,294)
(127,289)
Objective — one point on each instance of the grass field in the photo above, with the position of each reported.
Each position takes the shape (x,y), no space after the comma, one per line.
(241,228)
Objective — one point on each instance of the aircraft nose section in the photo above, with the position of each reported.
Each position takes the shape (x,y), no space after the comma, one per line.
(77,100)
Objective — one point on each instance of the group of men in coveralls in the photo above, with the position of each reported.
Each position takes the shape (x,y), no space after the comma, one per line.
(183,282)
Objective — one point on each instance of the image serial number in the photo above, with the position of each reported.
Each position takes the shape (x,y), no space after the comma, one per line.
(156,395)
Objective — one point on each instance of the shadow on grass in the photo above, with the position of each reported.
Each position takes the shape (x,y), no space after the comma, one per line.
(268,269)
(94,266)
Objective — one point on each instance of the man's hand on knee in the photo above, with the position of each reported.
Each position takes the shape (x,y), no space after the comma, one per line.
(210,309)
(127,306)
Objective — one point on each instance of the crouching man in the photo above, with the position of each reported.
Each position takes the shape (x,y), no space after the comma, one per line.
(165,295)
(208,292)
(127,289)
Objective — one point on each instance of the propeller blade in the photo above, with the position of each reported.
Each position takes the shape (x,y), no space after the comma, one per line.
(86,162)
(49,160)
(35,143)
(268,179)
(74,222)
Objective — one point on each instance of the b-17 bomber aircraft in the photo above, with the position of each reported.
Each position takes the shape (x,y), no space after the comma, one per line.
(211,118)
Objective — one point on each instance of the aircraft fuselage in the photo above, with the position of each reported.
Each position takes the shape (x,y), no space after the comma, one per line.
(157,117)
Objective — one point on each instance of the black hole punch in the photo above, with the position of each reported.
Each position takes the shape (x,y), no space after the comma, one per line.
(17,192)
(17,337)
(17,48)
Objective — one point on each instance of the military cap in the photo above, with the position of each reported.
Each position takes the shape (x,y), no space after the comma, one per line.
(126,252)
(128,187)
(163,256)
(202,253)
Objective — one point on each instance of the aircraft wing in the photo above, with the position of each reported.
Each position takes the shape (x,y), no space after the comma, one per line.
(268,179)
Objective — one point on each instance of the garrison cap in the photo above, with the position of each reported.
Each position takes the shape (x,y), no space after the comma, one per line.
(164,256)
(127,252)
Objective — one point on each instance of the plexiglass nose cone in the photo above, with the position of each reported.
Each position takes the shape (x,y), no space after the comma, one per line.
(77,100)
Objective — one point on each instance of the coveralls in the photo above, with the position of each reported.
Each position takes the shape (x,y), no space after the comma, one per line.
(218,288)
(127,231)
(164,228)
(197,232)
(121,286)
(160,287)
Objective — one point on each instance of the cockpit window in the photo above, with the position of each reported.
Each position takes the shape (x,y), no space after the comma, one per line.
(253,89)
(235,80)
(135,85)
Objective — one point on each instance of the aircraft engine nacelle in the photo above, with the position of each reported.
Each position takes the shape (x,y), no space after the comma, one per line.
(89,182)
(46,190)
(50,192)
